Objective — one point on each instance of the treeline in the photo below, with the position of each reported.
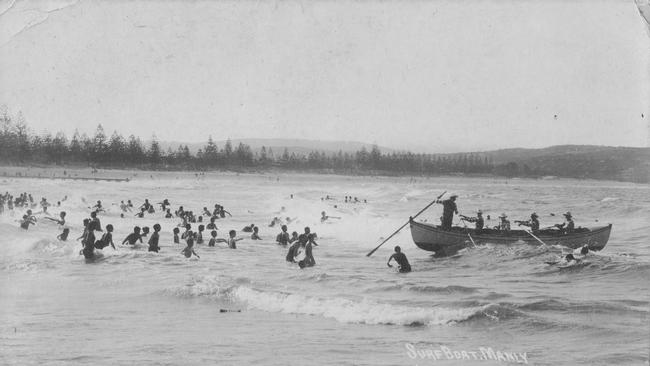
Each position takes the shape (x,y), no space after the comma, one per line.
(18,146)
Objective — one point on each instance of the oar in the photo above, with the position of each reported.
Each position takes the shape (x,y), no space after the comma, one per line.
(470,238)
(401,227)
(533,235)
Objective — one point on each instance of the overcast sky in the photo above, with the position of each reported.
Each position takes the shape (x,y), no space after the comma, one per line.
(435,75)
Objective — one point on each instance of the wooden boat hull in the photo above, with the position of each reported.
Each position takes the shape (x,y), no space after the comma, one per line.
(432,238)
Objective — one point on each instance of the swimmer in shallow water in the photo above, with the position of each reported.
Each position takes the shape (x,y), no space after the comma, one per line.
(60,220)
(283,238)
(64,235)
(153,240)
(231,241)
(294,249)
(213,239)
(400,258)
(309,257)
(133,237)
(28,219)
(107,238)
(255,235)
(199,235)
(189,249)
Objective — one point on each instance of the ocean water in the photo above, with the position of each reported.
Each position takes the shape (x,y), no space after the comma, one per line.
(490,304)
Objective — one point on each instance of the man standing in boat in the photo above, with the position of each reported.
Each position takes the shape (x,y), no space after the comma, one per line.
(448,210)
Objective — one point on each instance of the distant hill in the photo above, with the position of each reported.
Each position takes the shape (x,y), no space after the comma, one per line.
(578,161)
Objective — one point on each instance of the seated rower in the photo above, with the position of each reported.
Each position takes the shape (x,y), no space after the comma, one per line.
(533,223)
(478,220)
(504,225)
(568,226)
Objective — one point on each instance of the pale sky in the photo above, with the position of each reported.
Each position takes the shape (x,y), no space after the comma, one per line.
(436,75)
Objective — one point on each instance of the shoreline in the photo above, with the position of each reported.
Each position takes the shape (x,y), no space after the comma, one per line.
(85,173)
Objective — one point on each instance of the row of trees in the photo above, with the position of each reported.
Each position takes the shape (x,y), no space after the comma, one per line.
(20,146)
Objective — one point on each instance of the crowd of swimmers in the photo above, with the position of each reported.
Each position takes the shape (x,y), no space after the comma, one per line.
(95,236)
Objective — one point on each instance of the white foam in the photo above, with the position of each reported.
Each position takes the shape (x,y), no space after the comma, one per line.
(348,311)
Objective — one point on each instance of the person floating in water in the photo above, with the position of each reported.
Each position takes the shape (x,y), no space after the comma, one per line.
(133,237)
(276,220)
(256,234)
(324,217)
(448,209)
(283,238)
(107,238)
(231,241)
(153,240)
(400,258)
(533,223)
(248,229)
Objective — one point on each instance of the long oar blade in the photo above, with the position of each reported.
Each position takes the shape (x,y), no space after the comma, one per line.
(401,227)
